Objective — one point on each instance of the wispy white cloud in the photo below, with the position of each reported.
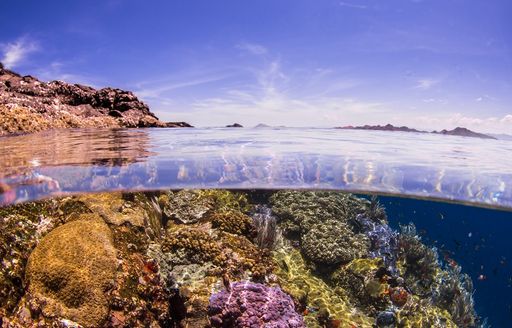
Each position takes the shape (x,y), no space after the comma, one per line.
(15,52)
(59,70)
(352,5)
(425,84)
(253,48)
(484,98)
(279,98)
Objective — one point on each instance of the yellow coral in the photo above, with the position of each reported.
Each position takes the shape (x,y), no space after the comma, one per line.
(70,270)
(320,298)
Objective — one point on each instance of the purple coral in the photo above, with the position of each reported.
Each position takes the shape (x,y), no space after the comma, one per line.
(249,304)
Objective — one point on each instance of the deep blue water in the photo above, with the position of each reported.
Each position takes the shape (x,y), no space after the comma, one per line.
(479,239)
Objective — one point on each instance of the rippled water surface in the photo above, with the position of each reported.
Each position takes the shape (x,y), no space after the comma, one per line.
(408,164)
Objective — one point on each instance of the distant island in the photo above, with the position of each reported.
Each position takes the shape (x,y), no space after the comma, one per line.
(458,131)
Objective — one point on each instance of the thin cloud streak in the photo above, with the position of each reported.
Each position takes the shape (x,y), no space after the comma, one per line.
(14,53)
(253,48)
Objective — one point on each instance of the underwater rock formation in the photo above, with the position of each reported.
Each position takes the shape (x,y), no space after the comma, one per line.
(248,304)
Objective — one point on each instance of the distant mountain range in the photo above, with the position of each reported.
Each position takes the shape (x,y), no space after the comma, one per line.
(458,131)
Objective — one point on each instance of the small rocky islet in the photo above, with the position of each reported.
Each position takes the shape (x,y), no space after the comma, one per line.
(219,258)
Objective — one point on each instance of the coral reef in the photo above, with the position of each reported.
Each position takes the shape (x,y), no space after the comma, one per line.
(418,263)
(454,293)
(332,242)
(195,258)
(384,241)
(247,304)
(323,305)
(71,270)
(233,222)
(322,221)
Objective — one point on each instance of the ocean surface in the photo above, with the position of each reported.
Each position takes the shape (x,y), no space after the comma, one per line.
(456,190)
(450,168)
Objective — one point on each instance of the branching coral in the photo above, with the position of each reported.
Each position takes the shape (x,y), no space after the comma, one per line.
(454,292)
(419,263)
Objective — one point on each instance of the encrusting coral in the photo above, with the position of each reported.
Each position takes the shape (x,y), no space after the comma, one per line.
(322,222)
(71,270)
(247,304)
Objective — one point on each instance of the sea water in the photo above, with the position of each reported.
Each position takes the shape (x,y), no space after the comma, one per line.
(345,257)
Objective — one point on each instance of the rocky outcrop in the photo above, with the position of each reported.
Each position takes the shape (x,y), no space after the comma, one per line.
(458,131)
(235,125)
(387,127)
(463,132)
(28,105)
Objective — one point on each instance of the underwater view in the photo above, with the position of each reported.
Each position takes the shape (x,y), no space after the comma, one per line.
(258,258)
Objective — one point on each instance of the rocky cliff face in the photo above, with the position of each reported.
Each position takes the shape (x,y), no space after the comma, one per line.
(27,105)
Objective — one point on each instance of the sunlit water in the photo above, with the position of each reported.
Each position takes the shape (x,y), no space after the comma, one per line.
(466,171)
(408,164)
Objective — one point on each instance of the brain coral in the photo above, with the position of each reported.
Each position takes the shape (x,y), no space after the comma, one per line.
(332,242)
(71,269)
(249,304)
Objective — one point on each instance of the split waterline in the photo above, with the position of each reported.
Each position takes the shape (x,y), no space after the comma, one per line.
(451,168)
(183,225)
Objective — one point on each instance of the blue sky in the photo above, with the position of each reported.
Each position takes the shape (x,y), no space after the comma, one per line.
(425,63)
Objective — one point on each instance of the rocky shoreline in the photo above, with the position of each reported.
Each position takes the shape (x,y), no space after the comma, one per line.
(30,105)
(216,258)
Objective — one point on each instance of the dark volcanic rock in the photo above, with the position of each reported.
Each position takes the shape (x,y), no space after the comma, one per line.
(28,105)
(235,125)
(458,131)
(387,127)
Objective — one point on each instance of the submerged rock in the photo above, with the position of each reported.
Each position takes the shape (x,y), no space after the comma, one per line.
(71,270)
